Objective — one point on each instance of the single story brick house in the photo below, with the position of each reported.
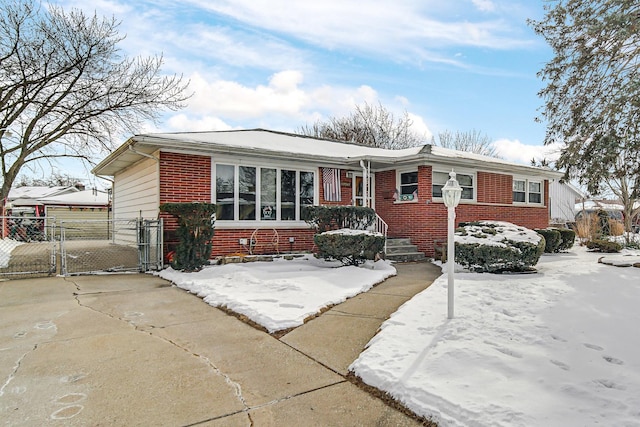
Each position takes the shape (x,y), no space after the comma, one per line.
(260,179)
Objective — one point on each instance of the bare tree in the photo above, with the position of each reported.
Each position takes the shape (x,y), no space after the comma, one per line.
(66,89)
(471,141)
(373,126)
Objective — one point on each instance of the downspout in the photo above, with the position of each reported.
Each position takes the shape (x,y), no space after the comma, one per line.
(365,184)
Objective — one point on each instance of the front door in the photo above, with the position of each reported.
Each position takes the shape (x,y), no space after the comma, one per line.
(358,190)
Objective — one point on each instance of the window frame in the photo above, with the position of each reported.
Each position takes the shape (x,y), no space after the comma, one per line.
(527,190)
(399,173)
(259,221)
(474,184)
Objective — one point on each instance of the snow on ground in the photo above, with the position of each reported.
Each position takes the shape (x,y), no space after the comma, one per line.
(6,247)
(556,348)
(283,293)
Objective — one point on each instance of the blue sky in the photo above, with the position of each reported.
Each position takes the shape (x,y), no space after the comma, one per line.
(452,65)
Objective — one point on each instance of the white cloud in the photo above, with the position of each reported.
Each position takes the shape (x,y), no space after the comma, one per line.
(420,127)
(484,5)
(515,151)
(184,123)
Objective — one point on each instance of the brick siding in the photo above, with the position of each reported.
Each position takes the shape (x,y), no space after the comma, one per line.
(425,221)
(187,178)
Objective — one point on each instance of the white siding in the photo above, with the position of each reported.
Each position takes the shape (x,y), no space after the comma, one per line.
(562,201)
(136,191)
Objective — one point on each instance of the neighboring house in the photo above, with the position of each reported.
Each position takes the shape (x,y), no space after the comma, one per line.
(260,179)
(563,197)
(56,204)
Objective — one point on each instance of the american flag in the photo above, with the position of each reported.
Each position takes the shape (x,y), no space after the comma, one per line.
(331,183)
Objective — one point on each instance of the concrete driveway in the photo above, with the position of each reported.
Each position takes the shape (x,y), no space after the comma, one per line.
(129,350)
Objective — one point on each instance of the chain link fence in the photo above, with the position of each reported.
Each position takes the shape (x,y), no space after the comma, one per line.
(28,247)
(39,246)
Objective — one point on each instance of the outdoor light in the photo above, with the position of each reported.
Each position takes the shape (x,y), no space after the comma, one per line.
(451,193)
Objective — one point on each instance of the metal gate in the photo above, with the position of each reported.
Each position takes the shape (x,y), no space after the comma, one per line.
(150,232)
(37,246)
(27,246)
(114,245)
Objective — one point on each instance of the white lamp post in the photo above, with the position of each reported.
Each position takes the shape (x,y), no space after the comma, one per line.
(451,193)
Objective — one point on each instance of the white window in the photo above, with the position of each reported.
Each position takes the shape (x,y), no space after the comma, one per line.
(527,191)
(407,186)
(252,193)
(465,180)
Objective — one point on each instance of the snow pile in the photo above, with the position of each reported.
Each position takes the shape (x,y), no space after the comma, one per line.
(280,294)
(6,247)
(478,233)
(555,348)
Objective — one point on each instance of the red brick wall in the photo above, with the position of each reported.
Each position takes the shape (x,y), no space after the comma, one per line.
(345,189)
(187,178)
(495,188)
(425,222)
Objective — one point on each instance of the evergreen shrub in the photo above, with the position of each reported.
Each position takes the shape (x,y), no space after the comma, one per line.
(496,247)
(567,239)
(195,231)
(350,247)
(600,245)
(552,239)
(325,218)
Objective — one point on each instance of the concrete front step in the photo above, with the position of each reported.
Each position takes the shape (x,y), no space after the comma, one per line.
(401,250)
(406,257)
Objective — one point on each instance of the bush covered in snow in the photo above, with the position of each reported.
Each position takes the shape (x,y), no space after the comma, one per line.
(496,246)
(350,247)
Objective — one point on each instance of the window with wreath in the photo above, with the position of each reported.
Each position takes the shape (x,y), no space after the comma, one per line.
(466,181)
(251,193)
(407,186)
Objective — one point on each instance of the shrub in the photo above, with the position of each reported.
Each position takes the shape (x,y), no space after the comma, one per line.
(195,231)
(567,239)
(603,222)
(350,247)
(325,218)
(552,239)
(600,245)
(510,248)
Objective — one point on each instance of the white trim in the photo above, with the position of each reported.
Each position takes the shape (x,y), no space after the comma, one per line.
(474,176)
(398,185)
(254,223)
(527,180)
(372,189)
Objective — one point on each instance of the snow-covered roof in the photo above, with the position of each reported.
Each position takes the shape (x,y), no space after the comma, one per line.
(606,205)
(279,145)
(79,198)
(37,192)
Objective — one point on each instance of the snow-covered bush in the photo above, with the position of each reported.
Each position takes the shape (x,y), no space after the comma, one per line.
(350,247)
(496,246)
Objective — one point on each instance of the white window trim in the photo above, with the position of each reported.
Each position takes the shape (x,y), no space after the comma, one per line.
(473,174)
(399,172)
(258,223)
(526,180)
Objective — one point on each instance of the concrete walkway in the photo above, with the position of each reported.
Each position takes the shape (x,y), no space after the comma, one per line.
(133,350)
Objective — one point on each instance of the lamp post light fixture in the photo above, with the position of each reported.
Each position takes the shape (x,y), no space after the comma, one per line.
(451,193)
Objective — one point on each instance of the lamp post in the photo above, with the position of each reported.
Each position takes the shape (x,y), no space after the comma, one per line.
(451,193)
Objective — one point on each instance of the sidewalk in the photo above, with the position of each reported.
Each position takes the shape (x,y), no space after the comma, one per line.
(132,350)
